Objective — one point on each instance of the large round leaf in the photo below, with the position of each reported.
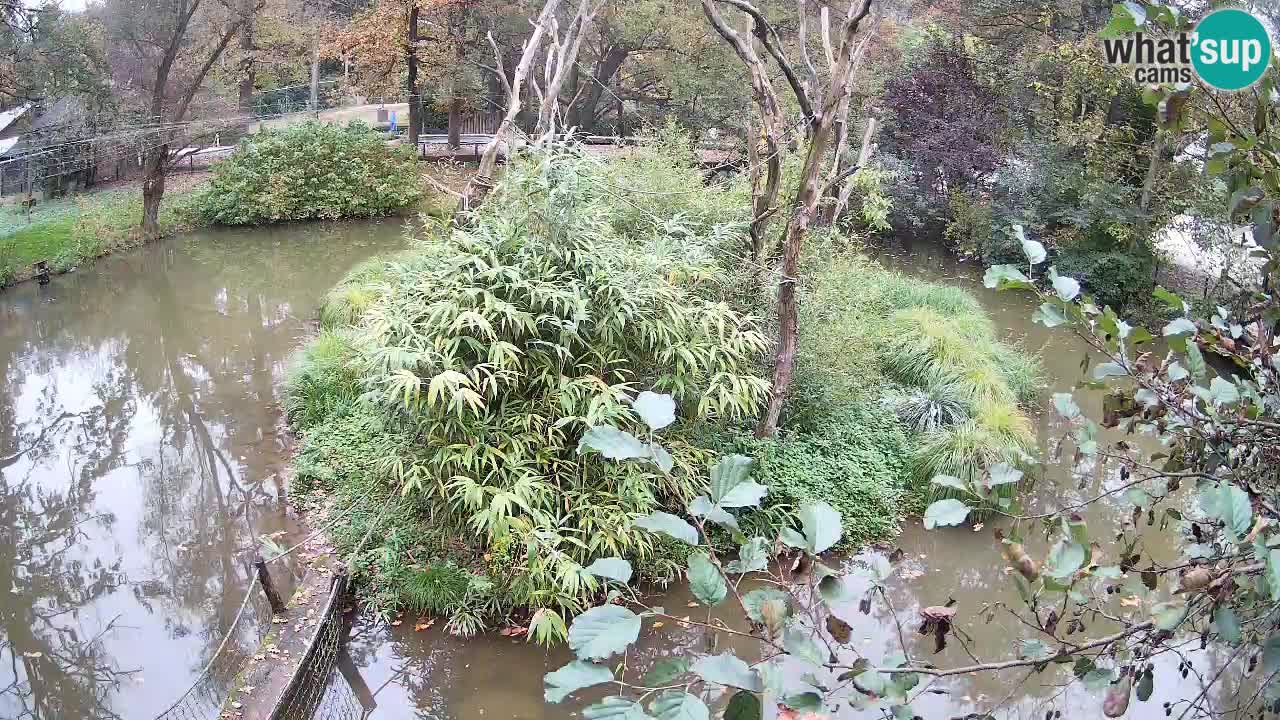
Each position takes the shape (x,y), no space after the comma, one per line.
(1065,559)
(744,706)
(705,579)
(612,443)
(616,707)
(731,484)
(945,512)
(668,524)
(574,676)
(729,670)
(612,568)
(673,705)
(821,525)
(657,411)
(604,631)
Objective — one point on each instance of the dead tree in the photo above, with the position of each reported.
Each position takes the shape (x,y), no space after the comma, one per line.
(821,108)
(482,182)
(560,59)
(838,190)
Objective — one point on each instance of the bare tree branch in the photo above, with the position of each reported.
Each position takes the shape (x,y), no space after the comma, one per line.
(566,59)
(768,37)
(811,84)
(479,185)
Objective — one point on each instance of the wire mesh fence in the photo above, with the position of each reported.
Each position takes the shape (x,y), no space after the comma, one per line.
(325,685)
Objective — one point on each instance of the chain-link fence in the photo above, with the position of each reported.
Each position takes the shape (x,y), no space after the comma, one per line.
(324,684)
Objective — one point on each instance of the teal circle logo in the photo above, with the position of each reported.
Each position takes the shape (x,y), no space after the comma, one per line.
(1231,49)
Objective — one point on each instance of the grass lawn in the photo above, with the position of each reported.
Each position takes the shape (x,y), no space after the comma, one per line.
(70,231)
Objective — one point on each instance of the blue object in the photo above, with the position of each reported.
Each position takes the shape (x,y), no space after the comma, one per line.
(392,128)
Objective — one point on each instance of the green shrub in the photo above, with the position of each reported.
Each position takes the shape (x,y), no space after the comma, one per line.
(310,171)
(658,187)
(1112,277)
(483,357)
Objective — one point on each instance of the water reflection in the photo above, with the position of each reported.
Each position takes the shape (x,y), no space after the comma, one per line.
(141,453)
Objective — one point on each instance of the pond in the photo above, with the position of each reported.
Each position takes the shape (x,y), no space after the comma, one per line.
(140,454)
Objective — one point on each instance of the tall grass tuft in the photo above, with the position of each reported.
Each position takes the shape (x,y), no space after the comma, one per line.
(933,408)
(868,331)
(346,303)
(322,380)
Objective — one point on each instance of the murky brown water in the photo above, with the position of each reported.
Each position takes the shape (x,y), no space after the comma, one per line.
(140,456)
(431,675)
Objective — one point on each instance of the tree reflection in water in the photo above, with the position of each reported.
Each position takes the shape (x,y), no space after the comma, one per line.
(140,457)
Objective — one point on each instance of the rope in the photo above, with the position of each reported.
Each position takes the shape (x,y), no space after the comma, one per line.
(252,588)
(325,527)
(209,666)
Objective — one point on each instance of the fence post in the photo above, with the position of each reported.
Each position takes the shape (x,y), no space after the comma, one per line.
(268,586)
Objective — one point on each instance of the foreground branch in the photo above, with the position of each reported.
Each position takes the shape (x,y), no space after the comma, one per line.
(987,667)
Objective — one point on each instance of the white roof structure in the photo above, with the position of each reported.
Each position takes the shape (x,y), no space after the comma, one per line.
(8,117)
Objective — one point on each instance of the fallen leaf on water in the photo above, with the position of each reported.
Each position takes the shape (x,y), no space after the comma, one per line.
(513,631)
(684,621)
(658,624)
(396,623)
(33,654)
(692,604)
(977,527)
(1132,601)
(424,624)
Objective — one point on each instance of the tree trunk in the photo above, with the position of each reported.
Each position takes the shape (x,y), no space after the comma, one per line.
(455,122)
(415,97)
(153,165)
(455,104)
(571,118)
(549,112)
(585,113)
(864,154)
(765,202)
(248,65)
(806,205)
(315,73)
